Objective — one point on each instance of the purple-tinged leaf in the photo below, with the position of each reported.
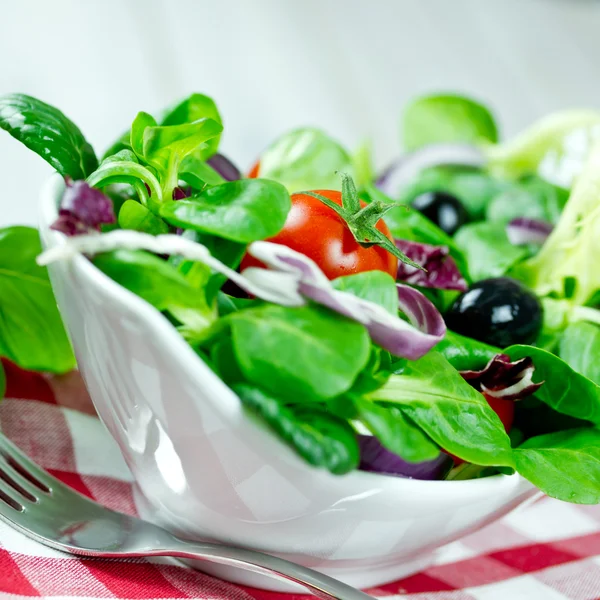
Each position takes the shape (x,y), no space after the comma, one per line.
(504,379)
(83,209)
(181,193)
(224,167)
(377,459)
(522,231)
(440,269)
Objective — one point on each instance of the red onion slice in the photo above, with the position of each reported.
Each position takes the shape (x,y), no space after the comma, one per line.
(522,231)
(377,459)
(403,171)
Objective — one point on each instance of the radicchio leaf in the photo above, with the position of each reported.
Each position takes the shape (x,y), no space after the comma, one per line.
(377,459)
(440,269)
(504,379)
(521,231)
(83,209)
(291,279)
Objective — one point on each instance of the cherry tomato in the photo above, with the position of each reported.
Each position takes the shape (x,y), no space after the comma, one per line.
(318,232)
(253,173)
(505,409)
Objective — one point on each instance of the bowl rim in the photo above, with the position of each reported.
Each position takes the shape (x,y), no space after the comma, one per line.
(51,193)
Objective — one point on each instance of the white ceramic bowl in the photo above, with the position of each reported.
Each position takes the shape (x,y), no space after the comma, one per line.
(204,469)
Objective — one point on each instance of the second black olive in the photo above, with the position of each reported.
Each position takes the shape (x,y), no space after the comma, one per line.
(498,311)
(445,210)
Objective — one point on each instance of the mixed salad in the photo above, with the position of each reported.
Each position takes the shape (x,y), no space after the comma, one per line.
(437,320)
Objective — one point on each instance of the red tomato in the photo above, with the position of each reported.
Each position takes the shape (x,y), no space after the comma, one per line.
(318,232)
(505,409)
(253,173)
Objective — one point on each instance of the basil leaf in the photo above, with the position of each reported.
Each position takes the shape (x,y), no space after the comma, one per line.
(49,133)
(473,187)
(198,173)
(580,348)
(564,465)
(534,418)
(228,304)
(193,108)
(224,361)
(487,249)
(465,353)
(532,197)
(307,351)
(453,414)
(137,217)
(242,211)
(162,286)
(374,286)
(322,439)
(306,159)
(141,122)
(31,330)
(228,252)
(163,145)
(446,118)
(151,278)
(395,432)
(564,390)
(374,374)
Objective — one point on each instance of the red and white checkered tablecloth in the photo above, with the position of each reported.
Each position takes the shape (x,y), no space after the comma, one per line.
(549,550)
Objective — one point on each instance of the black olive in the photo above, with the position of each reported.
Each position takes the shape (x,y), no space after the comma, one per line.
(445,210)
(498,311)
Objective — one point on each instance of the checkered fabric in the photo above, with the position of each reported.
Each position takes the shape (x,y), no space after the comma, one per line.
(549,550)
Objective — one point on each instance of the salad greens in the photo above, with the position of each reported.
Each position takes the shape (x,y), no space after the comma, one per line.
(579,347)
(487,249)
(334,354)
(284,349)
(31,330)
(446,118)
(305,159)
(49,133)
(437,398)
(241,211)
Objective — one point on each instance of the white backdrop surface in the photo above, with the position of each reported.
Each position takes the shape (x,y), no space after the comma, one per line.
(345,65)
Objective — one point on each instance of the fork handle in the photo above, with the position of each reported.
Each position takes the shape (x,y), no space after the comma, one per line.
(320,585)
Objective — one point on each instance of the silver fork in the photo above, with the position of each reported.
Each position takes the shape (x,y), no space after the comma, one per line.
(44,509)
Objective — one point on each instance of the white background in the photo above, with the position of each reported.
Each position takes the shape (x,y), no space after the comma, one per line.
(345,65)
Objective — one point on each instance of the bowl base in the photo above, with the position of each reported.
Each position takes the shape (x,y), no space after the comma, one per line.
(362,579)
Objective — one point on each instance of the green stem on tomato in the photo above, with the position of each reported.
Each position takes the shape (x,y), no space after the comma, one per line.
(362,222)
